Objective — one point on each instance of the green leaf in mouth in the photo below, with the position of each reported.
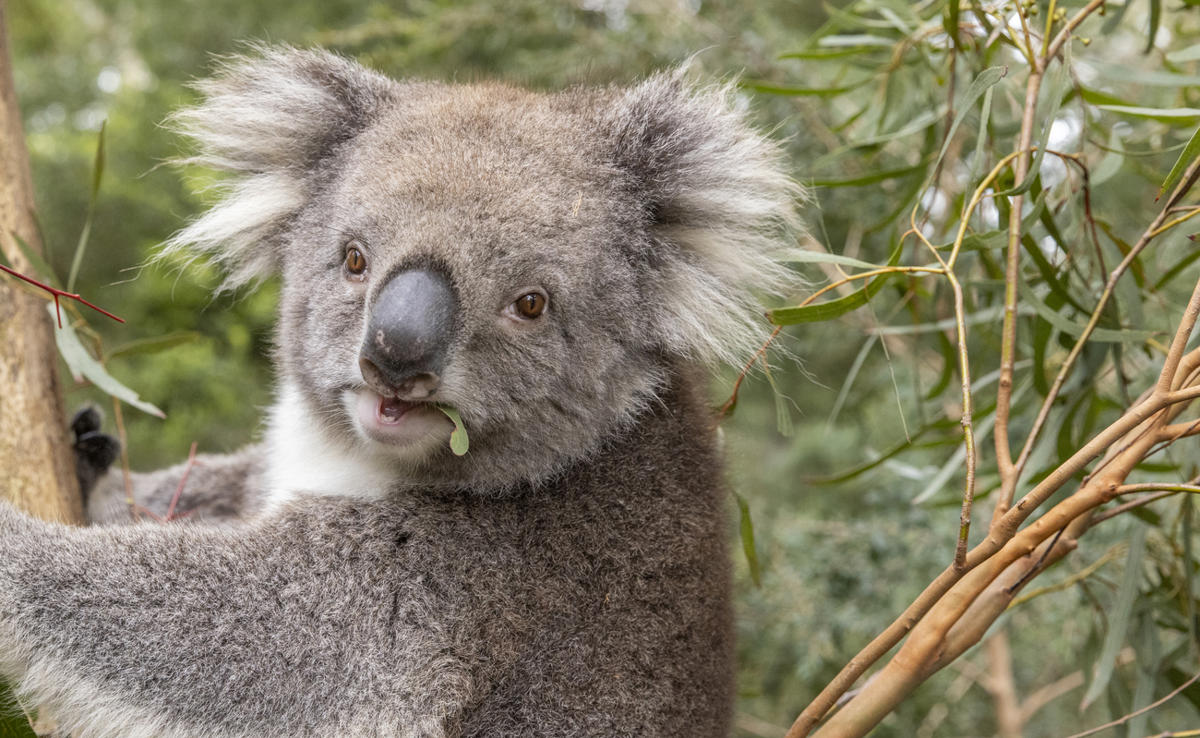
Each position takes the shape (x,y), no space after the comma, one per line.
(459,443)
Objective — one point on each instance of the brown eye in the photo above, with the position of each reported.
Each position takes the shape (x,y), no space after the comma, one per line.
(530,305)
(356,261)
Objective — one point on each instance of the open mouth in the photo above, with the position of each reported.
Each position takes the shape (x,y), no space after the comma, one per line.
(391,410)
(396,422)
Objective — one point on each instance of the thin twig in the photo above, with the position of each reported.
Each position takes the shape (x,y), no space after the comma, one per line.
(57,293)
(1069,26)
(1008,329)
(1126,489)
(1072,580)
(191,461)
(1126,718)
(1183,333)
(1127,506)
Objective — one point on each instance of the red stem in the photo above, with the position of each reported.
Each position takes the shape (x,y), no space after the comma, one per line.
(191,461)
(57,293)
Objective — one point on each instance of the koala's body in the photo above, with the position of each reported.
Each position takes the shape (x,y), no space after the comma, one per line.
(557,268)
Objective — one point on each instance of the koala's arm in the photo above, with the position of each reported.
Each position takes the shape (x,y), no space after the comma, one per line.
(211,487)
(185,630)
(214,487)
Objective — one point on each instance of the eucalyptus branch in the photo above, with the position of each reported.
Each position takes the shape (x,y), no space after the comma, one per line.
(1003,536)
(960,326)
(1008,330)
(1068,364)
(1010,471)
(1166,378)
(958,606)
(1068,27)
(1174,432)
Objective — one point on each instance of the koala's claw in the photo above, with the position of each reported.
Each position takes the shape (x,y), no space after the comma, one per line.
(94,451)
(86,420)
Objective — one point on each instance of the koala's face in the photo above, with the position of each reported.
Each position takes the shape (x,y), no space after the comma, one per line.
(540,263)
(470,251)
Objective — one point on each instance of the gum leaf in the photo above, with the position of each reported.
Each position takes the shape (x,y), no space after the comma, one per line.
(459,443)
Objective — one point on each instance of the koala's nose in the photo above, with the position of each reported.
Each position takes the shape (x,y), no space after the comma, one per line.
(409,333)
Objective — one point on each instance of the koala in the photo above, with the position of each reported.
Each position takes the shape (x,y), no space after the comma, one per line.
(560,270)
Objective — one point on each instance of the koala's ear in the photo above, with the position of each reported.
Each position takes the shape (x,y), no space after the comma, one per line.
(719,209)
(271,118)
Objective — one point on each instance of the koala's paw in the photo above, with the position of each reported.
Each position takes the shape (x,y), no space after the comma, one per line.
(94,451)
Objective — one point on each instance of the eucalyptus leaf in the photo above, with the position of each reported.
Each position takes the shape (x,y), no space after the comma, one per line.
(83,365)
(459,442)
(746,530)
(820,257)
(154,344)
(1189,153)
(774,89)
(840,306)
(1075,330)
(981,84)
(873,178)
(1169,115)
(93,195)
(1118,618)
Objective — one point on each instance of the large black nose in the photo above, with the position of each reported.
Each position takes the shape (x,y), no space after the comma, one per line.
(409,333)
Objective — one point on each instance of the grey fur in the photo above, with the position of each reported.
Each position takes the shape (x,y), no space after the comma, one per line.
(568,576)
(217,487)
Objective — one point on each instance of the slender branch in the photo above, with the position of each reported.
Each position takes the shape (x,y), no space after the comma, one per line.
(1179,430)
(1183,333)
(1171,224)
(964,365)
(1010,471)
(1127,506)
(1030,56)
(976,198)
(727,408)
(1065,33)
(1126,718)
(1072,580)
(964,517)
(191,461)
(1126,489)
(57,293)
(1049,28)
(1068,364)
(1008,330)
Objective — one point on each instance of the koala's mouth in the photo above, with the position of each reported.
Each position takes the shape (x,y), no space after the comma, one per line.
(395,422)
(391,410)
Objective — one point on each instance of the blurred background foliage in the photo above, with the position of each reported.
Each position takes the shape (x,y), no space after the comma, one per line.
(859,91)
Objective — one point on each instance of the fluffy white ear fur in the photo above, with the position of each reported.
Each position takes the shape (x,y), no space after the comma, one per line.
(723,212)
(269,118)
(718,198)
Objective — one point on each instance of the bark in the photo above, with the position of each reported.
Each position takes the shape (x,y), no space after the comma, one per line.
(35,448)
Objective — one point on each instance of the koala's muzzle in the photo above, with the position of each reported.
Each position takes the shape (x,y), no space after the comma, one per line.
(409,333)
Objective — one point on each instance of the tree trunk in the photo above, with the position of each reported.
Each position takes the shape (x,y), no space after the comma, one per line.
(35,448)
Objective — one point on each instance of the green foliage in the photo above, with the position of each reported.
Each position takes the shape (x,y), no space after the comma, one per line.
(919,118)
(459,441)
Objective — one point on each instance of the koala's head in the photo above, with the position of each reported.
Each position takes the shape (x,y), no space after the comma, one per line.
(538,262)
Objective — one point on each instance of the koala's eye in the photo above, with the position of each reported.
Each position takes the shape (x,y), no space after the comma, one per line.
(356,260)
(530,305)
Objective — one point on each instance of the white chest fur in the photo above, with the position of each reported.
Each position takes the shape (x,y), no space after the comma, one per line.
(305,459)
